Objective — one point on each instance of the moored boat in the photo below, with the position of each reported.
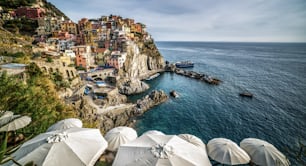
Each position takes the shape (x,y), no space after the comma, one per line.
(184,64)
(246,94)
(153,76)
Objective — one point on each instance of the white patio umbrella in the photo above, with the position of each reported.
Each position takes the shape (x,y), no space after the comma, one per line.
(263,153)
(150,149)
(192,139)
(6,114)
(15,122)
(73,146)
(195,141)
(118,136)
(153,132)
(226,151)
(66,124)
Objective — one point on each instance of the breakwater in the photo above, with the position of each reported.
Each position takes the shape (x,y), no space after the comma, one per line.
(192,74)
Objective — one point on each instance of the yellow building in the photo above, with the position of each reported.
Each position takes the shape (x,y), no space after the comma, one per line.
(70,27)
(66,60)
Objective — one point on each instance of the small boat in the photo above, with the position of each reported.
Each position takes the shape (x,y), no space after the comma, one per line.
(246,94)
(153,76)
(184,64)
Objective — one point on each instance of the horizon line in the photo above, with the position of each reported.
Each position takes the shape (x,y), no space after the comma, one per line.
(230,41)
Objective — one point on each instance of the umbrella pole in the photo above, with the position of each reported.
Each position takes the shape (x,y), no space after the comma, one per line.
(3,147)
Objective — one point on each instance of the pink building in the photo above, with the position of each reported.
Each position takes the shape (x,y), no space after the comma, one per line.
(114,62)
(117,59)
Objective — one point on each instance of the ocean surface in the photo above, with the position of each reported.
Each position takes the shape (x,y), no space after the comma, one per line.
(275,73)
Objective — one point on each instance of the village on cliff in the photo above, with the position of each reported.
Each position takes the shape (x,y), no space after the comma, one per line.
(93,55)
(83,44)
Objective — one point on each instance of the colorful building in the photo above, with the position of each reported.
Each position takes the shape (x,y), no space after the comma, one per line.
(80,61)
(85,51)
(117,59)
(70,27)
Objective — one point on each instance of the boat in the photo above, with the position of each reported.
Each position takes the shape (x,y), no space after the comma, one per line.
(246,94)
(153,76)
(184,64)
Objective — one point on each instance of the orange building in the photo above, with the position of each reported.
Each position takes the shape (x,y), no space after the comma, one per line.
(136,28)
(80,61)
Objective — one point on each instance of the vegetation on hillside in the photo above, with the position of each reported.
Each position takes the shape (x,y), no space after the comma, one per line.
(149,48)
(13,45)
(27,26)
(12,4)
(23,26)
(19,57)
(35,96)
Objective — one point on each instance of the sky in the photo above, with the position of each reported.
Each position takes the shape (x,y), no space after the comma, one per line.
(203,20)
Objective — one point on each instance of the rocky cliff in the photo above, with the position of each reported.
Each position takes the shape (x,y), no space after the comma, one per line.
(143,59)
(123,116)
(127,116)
(130,86)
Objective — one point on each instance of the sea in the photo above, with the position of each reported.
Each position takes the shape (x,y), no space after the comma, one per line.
(275,73)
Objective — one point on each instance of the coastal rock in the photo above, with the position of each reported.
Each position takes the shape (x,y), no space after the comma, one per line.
(174,94)
(130,86)
(170,67)
(154,98)
(126,116)
(113,98)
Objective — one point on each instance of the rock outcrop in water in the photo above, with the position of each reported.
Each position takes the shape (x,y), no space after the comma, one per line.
(130,86)
(154,98)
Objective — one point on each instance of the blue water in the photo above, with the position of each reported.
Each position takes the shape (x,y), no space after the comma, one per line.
(274,72)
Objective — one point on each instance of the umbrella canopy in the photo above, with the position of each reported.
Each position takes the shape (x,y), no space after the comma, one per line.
(14,122)
(66,124)
(150,149)
(73,146)
(192,139)
(263,153)
(226,151)
(119,136)
(153,132)
(6,114)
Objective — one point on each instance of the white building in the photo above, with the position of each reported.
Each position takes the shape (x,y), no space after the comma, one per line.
(69,53)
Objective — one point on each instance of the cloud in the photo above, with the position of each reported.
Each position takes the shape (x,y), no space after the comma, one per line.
(221,20)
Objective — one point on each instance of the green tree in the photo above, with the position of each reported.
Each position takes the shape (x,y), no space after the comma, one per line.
(36,98)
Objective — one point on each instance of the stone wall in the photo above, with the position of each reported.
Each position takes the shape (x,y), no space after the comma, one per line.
(57,66)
